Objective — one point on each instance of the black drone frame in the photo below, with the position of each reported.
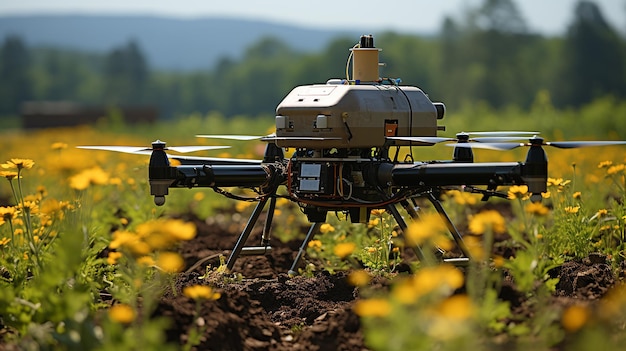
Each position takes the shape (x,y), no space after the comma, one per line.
(415,179)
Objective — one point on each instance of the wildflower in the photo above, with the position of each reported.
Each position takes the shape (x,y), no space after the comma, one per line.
(359,278)
(373,222)
(498,261)
(198,196)
(462,198)
(426,229)
(572,209)
(546,195)
(170,262)
(456,307)
(475,246)
(326,228)
(343,250)
(145,261)
(602,212)
(615,169)
(443,279)
(113,257)
(537,208)
(163,233)
(374,307)
(605,164)
(19,163)
(574,317)
(4,241)
(577,195)
(122,313)
(10,175)
(378,212)
(315,244)
(518,192)
(8,213)
(91,176)
(201,292)
(489,220)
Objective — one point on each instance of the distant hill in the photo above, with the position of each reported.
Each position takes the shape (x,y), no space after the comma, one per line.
(171,44)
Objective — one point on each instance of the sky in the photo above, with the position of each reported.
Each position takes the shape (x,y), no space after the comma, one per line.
(549,17)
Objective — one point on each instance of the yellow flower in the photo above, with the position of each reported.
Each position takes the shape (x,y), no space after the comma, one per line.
(170,262)
(490,220)
(615,169)
(122,313)
(343,250)
(378,212)
(577,195)
(315,244)
(359,278)
(456,307)
(113,257)
(201,292)
(8,213)
(537,208)
(572,209)
(10,175)
(443,279)
(145,261)
(19,163)
(462,197)
(428,228)
(575,317)
(91,176)
(4,241)
(326,228)
(163,233)
(373,222)
(518,192)
(374,307)
(605,164)
(602,212)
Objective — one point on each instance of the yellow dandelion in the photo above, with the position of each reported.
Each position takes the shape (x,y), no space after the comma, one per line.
(490,220)
(574,317)
(571,209)
(456,307)
(113,257)
(378,212)
(602,213)
(615,169)
(343,250)
(10,175)
(536,208)
(88,177)
(359,278)
(518,192)
(326,228)
(577,195)
(426,229)
(315,244)
(375,307)
(170,262)
(201,292)
(122,313)
(19,163)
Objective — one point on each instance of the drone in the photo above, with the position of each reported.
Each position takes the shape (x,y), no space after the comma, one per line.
(347,134)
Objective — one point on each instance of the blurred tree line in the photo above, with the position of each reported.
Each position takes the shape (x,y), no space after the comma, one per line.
(489,56)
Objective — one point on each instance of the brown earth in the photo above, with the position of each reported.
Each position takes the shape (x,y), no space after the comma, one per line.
(265,309)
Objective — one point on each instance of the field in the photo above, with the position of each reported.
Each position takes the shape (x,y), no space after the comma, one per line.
(87,261)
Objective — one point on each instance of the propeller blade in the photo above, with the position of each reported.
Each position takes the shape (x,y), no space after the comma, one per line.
(503,133)
(489,146)
(576,144)
(231,137)
(144,150)
(213,160)
(185,149)
(125,149)
(424,139)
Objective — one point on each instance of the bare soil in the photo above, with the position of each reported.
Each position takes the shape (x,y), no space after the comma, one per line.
(268,310)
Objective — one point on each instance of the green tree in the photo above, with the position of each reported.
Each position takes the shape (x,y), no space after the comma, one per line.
(595,58)
(14,75)
(126,75)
